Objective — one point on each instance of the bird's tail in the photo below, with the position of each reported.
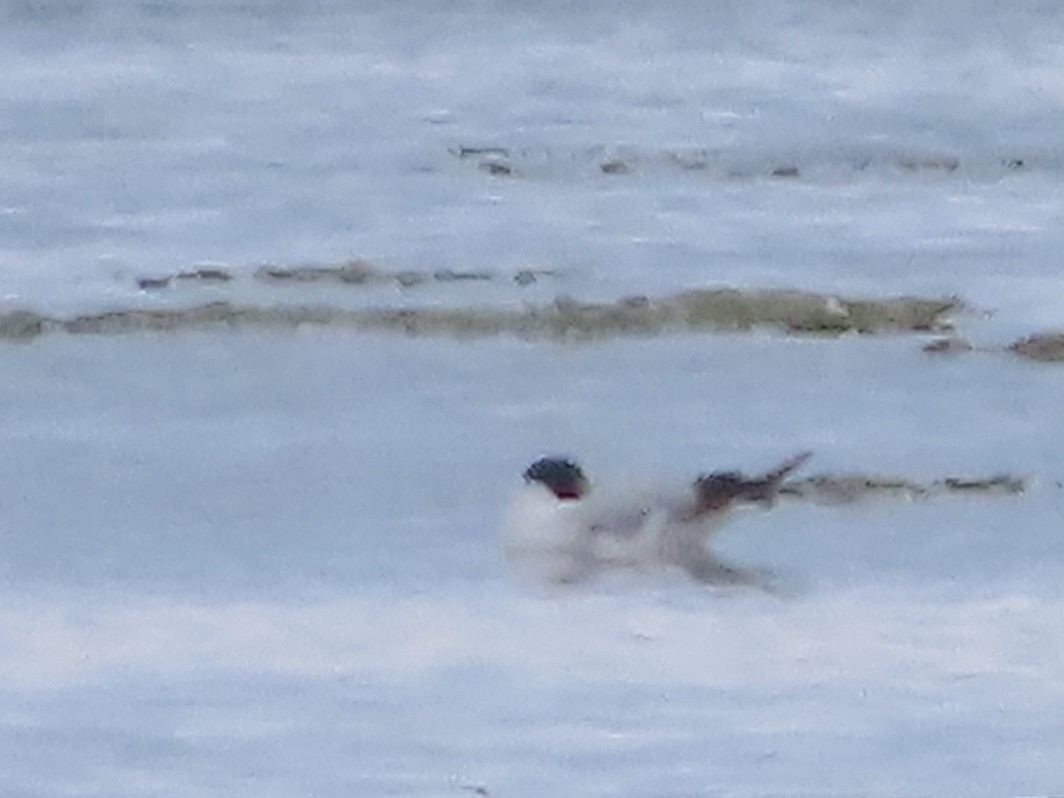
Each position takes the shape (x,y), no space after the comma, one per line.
(719,490)
(783,470)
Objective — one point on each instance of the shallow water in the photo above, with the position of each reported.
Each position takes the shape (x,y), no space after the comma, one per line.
(268,563)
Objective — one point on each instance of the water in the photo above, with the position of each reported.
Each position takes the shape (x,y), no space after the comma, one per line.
(144,138)
(268,563)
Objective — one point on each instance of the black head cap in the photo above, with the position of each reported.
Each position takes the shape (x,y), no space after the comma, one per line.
(563,476)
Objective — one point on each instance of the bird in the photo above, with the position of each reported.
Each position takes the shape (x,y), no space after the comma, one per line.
(558,530)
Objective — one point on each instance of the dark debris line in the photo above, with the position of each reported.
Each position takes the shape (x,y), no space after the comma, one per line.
(851,489)
(356,272)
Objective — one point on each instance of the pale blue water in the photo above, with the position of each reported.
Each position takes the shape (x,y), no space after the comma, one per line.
(268,564)
(143,138)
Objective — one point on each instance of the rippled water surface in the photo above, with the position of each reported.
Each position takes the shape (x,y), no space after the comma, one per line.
(266,562)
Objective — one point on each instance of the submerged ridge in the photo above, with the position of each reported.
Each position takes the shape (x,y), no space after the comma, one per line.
(720,310)
(700,310)
(564,319)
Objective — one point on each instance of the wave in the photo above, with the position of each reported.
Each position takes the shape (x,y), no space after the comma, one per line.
(682,638)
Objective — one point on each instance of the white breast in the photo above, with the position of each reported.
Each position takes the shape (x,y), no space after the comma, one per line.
(560,542)
(544,538)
